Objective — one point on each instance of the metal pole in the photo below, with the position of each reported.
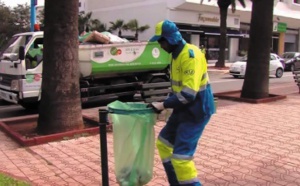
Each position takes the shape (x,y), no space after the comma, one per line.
(32,14)
(103,122)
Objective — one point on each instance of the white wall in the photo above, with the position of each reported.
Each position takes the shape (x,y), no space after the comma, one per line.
(234,47)
(146,12)
(195,39)
(203,18)
(82,7)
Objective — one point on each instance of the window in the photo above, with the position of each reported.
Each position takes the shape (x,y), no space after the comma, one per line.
(34,55)
(272,57)
(297,1)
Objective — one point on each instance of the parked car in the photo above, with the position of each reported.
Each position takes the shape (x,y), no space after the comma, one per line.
(238,69)
(291,60)
(281,60)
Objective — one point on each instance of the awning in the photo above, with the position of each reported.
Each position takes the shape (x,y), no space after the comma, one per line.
(209,31)
(192,31)
(216,32)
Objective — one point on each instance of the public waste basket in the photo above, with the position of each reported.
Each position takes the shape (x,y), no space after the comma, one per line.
(134,140)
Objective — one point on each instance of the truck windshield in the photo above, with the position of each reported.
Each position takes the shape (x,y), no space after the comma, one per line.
(12,47)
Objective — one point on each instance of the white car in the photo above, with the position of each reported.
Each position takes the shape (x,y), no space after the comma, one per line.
(238,69)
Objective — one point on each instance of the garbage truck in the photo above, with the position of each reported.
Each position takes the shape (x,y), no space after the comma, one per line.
(107,71)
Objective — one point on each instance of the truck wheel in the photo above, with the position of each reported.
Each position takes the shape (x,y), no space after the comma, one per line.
(30,105)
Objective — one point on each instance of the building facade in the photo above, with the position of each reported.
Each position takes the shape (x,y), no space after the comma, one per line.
(199,23)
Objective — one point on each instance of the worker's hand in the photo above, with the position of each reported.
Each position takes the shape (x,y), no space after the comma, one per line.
(157,106)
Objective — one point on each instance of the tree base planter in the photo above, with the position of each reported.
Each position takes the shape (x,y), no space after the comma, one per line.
(23,131)
(236,96)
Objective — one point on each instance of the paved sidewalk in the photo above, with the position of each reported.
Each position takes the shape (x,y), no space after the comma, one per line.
(244,144)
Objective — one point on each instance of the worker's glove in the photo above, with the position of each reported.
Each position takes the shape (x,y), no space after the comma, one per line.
(156,106)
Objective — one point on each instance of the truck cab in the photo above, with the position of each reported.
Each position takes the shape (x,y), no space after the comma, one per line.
(20,79)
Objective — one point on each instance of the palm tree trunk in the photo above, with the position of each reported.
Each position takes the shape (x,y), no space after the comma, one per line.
(223,33)
(60,107)
(256,83)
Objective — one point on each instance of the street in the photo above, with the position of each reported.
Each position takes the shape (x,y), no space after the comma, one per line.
(220,82)
(225,82)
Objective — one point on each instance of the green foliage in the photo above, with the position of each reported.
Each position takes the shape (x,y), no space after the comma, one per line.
(40,15)
(86,23)
(6,180)
(13,20)
(133,25)
(118,25)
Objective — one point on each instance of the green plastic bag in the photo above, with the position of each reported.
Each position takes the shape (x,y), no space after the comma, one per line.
(134,139)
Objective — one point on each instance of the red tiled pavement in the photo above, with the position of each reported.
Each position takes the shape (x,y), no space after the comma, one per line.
(244,144)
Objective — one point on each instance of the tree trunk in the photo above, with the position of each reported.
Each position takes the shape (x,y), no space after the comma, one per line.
(60,107)
(256,83)
(223,38)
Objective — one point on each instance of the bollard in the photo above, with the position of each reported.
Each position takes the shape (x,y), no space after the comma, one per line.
(103,121)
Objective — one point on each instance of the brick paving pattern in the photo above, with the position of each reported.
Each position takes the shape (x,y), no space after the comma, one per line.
(243,145)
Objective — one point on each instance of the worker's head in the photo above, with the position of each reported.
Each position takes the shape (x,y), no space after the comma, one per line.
(168,30)
(167,34)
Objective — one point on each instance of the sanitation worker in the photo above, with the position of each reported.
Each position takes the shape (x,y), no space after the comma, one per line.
(192,103)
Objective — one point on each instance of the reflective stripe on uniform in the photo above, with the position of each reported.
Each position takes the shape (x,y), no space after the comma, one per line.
(182,157)
(165,149)
(165,160)
(189,91)
(195,180)
(164,141)
(181,98)
(203,87)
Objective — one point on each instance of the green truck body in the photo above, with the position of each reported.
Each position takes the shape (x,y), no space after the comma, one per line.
(108,71)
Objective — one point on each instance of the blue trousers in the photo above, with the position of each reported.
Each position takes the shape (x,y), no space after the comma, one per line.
(178,141)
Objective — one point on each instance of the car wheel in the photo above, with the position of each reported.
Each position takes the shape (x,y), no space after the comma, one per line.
(292,67)
(279,73)
(235,76)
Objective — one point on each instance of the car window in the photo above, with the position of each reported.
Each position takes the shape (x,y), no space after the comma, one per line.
(272,57)
(288,55)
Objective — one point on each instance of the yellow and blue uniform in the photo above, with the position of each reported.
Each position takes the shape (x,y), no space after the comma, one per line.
(193,104)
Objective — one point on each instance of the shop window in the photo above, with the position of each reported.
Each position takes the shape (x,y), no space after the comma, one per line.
(243,46)
(213,42)
(297,1)
(213,47)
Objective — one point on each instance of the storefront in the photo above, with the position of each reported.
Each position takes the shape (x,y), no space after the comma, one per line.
(204,29)
(283,39)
